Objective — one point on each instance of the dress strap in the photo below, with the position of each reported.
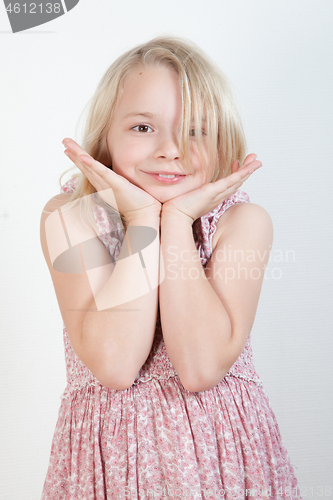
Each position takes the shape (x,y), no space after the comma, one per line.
(70,185)
(205,227)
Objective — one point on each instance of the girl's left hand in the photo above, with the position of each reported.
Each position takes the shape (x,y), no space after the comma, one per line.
(194,204)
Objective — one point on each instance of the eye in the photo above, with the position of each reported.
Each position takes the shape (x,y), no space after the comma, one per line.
(192,132)
(142,128)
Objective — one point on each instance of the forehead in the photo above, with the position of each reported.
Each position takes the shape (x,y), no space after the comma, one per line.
(150,89)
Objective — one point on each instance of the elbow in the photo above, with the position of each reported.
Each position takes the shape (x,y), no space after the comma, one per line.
(110,369)
(194,384)
(117,386)
(120,378)
(114,383)
(116,379)
(212,373)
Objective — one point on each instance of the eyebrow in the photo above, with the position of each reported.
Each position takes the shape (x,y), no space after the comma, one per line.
(146,114)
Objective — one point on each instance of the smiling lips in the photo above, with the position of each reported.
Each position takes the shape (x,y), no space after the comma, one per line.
(166,177)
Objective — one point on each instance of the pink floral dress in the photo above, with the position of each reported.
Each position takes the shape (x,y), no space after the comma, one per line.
(157,440)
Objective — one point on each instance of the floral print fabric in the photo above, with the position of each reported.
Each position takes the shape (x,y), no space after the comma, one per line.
(158,440)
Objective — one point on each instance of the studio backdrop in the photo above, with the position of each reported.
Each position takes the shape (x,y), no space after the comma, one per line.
(278,57)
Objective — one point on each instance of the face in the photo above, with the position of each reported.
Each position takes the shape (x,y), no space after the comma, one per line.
(143,139)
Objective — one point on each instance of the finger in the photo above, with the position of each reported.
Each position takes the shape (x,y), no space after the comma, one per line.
(108,183)
(87,161)
(236,185)
(249,159)
(241,174)
(232,183)
(75,160)
(94,179)
(223,185)
(73,146)
(249,168)
(232,189)
(94,165)
(73,150)
(107,176)
(90,169)
(235,166)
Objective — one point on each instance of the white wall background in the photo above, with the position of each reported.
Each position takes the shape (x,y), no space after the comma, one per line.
(278,56)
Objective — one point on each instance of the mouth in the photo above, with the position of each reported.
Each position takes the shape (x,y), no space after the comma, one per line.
(166,177)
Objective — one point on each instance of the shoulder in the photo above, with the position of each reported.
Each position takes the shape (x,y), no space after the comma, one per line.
(64,226)
(60,217)
(51,223)
(244,212)
(63,198)
(55,203)
(242,218)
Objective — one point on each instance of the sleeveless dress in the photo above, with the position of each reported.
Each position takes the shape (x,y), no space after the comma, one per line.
(158,440)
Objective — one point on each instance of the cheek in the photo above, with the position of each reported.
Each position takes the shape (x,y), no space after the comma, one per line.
(199,163)
(128,154)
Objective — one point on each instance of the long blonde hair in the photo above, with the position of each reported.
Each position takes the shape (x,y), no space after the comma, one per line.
(206,96)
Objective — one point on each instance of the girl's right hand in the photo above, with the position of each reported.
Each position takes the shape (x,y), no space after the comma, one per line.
(130,200)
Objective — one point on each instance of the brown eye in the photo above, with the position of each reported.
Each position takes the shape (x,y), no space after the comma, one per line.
(142,128)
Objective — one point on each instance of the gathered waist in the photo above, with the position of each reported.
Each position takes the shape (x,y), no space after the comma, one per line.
(74,387)
(156,367)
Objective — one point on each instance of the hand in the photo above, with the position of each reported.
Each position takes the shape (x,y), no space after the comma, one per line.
(128,199)
(194,204)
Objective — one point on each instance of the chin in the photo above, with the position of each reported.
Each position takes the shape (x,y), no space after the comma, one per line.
(163,198)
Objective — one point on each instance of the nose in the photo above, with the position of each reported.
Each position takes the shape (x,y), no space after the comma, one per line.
(167,149)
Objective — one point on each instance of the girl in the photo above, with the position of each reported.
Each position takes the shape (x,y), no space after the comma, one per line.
(156,259)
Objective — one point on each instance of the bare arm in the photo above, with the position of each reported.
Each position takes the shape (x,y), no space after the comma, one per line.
(109,310)
(207,316)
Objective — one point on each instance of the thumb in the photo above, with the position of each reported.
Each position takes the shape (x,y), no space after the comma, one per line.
(235,166)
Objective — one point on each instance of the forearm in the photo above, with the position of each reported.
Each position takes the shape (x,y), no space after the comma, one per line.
(119,326)
(189,307)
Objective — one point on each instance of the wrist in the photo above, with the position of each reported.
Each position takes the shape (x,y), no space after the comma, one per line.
(152,220)
(175,217)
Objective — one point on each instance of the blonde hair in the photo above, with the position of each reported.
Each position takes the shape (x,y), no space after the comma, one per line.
(208,102)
